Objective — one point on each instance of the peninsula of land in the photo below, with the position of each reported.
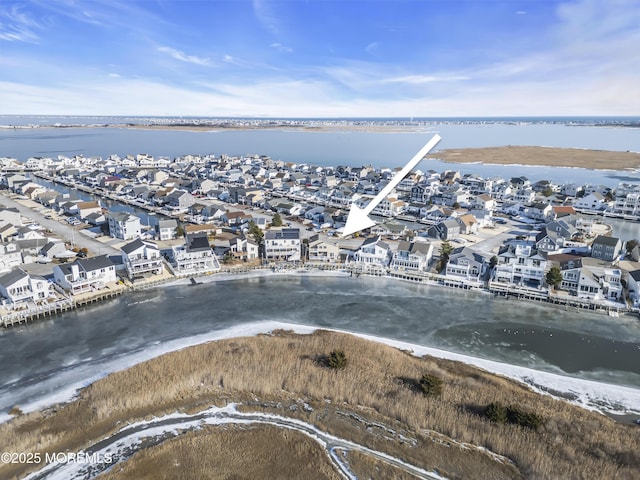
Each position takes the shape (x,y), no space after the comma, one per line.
(542,156)
(324,404)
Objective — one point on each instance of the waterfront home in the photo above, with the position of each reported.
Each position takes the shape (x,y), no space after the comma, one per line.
(539,211)
(243,248)
(142,257)
(606,248)
(633,285)
(195,256)
(414,256)
(124,226)
(323,251)
(556,234)
(589,281)
(85,275)
(593,202)
(520,265)
(180,199)
(84,209)
(373,251)
(627,199)
(282,244)
(18,287)
(466,264)
(484,202)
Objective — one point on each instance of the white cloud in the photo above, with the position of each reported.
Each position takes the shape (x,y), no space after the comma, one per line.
(266,16)
(372,47)
(183,57)
(15,25)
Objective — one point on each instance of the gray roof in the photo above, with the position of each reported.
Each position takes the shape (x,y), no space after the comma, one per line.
(12,277)
(284,234)
(197,242)
(94,263)
(604,240)
(168,223)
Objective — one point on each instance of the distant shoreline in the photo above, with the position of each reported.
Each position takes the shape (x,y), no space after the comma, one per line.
(543,157)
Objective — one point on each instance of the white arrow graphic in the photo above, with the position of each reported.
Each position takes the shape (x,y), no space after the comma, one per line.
(358,218)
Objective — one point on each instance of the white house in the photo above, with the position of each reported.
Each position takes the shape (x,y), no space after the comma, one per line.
(373,251)
(594,201)
(195,255)
(17,287)
(85,275)
(520,264)
(166,229)
(142,257)
(466,264)
(124,226)
(412,256)
(244,248)
(283,244)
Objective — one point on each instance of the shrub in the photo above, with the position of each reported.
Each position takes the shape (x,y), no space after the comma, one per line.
(337,359)
(513,414)
(496,412)
(431,385)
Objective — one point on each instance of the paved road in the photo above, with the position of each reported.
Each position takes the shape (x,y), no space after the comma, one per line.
(63,230)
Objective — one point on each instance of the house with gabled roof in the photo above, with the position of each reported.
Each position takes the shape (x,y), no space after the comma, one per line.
(195,256)
(18,287)
(606,248)
(323,251)
(244,248)
(373,251)
(520,265)
(124,226)
(85,275)
(142,257)
(467,264)
(10,256)
(166,229)
(412,256)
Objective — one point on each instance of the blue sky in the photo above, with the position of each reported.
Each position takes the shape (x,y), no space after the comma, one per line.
(320,58)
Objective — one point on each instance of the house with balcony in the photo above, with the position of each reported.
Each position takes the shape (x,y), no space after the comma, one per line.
(323,251)
(17,287)
(124,226)
(282,245)
(373,252)
(466,264)
(244,248)
(142,257)
(412,256)
(85,275)
(195,256)
(520,265)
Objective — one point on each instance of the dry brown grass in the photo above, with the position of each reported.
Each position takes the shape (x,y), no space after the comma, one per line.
(221,453)
(546,156)
(272,372)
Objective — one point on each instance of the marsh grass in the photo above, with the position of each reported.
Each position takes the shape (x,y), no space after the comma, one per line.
(379,384)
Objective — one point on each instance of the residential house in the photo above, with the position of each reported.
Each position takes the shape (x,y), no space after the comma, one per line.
(449,229)
(323,251)
(520,265)
(142,257)
(53,250)
(124,226)
(606,248)
(374,252)
(195,256)
(166,229)
(466,264)
(282,244)
(633,285)
(414,256)
(244,248)
(593,202)
(18,287)
(10,256)
(85,275)
(468,224)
